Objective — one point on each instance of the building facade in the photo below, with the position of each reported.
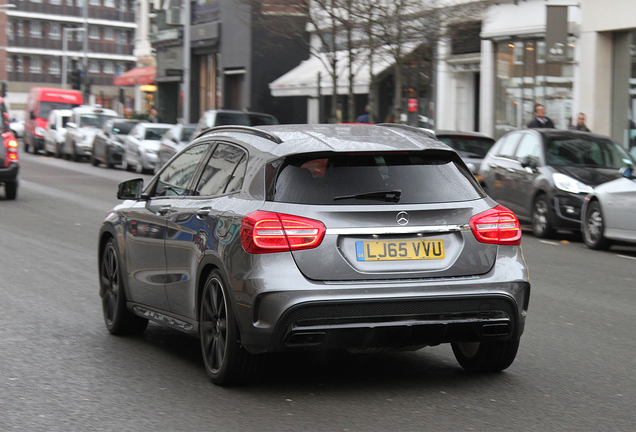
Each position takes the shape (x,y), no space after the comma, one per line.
(33,53)
(232,60)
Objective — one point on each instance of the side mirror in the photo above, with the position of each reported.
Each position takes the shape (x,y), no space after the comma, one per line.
(32,115)
(527,161)
(53,127)
(627,172)
(130,189)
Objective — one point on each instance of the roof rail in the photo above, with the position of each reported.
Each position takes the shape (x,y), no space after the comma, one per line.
(409,128)
(242,129)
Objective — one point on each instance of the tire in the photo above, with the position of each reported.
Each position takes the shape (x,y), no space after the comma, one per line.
(124,164)
(226,361)
(139,168)
(11,190)
(26,147)
(57,153)
(594,227)
(109,160)
(94,160)
(118,319)
(480,357)
(541,225)
(75,156)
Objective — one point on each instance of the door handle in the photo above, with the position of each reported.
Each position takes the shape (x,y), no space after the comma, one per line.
(164,210)
(203,212)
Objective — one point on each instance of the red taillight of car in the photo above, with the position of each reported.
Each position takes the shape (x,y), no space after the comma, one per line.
(497,225)
(11,152)
(267,232)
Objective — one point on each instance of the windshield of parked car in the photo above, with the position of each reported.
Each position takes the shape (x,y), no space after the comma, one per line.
(122,128)
(223,119)
(468,146)
(47,107)
(155,134)
(374,178)
(588,152)
(93,120)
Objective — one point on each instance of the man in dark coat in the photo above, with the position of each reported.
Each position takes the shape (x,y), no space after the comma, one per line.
(540,119)
(580,124)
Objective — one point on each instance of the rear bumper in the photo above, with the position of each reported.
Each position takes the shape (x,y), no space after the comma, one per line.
(293,313)
(10,173)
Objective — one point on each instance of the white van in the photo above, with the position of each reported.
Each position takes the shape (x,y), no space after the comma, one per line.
(55,133)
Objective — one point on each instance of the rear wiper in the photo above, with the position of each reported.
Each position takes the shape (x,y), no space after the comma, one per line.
(390,195)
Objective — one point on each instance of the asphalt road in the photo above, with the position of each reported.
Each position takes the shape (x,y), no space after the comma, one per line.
(60,370)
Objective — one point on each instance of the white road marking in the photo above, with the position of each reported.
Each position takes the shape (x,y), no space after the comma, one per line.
(628,257)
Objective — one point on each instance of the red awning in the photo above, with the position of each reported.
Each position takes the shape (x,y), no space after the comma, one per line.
(138,75)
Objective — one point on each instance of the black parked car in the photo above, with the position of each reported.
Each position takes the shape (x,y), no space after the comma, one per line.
(108,146)
(544,175)
(316,237)
(471,146)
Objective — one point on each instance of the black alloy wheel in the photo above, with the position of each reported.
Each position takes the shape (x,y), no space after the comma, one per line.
(226,361)
(119,320)
(594,227)
(541,225)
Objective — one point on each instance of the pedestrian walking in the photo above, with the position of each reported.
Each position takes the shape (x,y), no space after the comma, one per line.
(540,119)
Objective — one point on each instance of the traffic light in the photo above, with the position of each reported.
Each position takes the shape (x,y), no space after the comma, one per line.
(76,79)
(4,89)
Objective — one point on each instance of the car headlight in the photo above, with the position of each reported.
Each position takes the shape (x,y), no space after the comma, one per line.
(568,184)
(40,131)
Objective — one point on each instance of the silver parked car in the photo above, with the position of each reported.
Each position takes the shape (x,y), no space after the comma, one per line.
(608,212)
(173,141)
(141,146)
(315,237)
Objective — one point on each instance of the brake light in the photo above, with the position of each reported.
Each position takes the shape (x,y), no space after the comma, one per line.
(11,153)
(267,232)
(497,225)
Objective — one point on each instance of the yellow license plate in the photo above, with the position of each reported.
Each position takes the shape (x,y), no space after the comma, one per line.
(390,250)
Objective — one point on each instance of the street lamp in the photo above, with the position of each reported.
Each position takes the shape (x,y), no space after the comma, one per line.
(65,31)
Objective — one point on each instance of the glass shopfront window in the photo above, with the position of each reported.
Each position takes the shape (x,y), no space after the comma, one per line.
(524,78)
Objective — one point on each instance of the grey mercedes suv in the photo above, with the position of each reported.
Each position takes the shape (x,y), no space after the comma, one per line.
(315,237)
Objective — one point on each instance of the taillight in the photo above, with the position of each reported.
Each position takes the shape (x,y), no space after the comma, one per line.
(266,232)
(11,152)
(497,225)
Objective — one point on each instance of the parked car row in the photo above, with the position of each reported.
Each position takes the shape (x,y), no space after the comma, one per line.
(564,180)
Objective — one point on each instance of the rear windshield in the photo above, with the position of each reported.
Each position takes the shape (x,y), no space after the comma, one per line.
(468,146)
(122,128)
(47,107)
(93,120)
(155,134)
(380,178)
(588,152)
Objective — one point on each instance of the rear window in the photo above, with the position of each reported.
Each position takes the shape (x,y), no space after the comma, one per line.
(155,134)
(47,107)
(122,128)
(468,146)
(380,178)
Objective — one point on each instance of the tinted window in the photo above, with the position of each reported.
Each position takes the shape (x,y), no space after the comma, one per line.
(231,119)
(122,128)
(586,151)
(93,120)
(222,173)
(418,178)
(176,176)
(154,134)
(468,146)
(259,120)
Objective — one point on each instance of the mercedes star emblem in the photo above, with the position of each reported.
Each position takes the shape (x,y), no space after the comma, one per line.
(402,218)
